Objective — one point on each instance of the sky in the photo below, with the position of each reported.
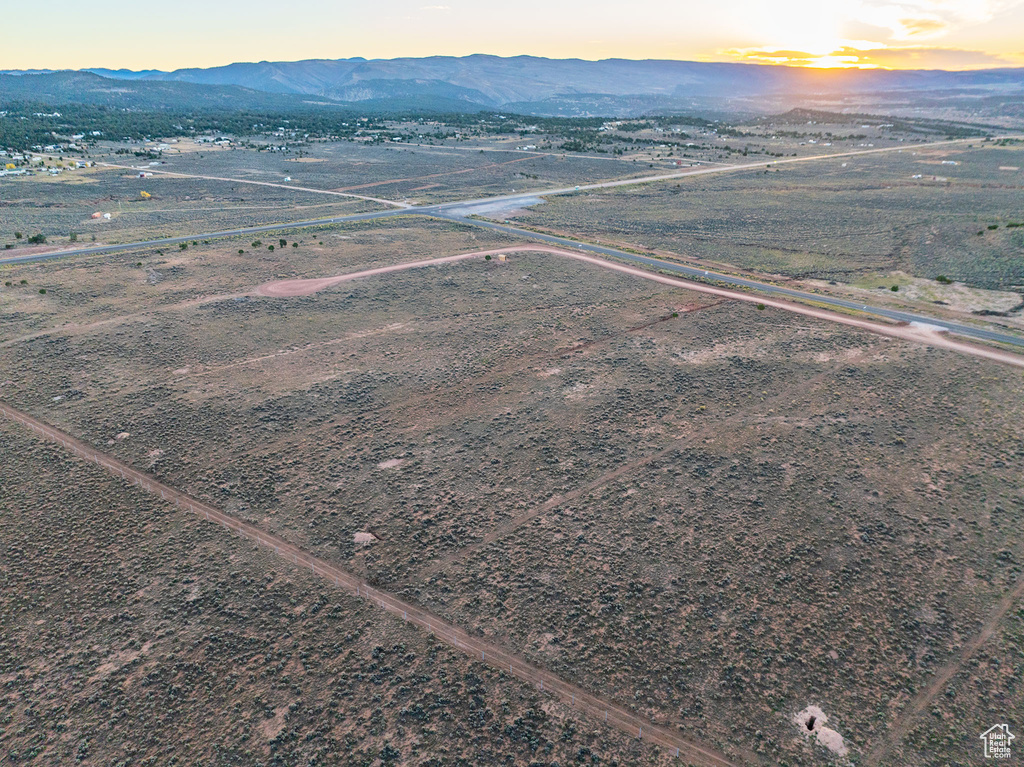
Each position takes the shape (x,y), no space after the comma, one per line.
(900,34)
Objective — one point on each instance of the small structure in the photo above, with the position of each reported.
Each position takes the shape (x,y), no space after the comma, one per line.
(502,257)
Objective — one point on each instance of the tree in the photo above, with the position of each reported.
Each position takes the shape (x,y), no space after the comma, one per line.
(37,239)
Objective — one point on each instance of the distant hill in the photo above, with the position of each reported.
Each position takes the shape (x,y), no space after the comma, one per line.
(522,83)
(500,80)
(146,94)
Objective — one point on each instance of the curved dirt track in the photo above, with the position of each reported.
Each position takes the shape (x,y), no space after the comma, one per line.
(290,187)
(920,334)
(491,654)
(283,288)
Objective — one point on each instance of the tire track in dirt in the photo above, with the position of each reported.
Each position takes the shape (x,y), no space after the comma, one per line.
(290,187)
(907,718)
(918,333)
(514,523)
(76,329)
(493,655)
(432,175)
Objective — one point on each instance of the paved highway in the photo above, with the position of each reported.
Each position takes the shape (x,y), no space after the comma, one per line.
(91,251)
(764,287)
(457,211)
(455,208)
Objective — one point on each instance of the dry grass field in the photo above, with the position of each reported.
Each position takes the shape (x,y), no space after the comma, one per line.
(420,174)
(102,288)
(136,635)
(837,219)
(713,514)
(58,206)
(987,691)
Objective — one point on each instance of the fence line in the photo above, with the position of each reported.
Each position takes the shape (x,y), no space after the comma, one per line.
(491,654)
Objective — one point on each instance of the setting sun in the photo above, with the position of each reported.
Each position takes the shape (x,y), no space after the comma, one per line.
(897,34)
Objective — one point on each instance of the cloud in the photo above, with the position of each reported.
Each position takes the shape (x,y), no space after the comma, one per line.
(435,7)
(924,27)
(920,57)
(907,20)
(884,57)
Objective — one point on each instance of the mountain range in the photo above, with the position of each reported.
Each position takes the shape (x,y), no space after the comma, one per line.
(525,84)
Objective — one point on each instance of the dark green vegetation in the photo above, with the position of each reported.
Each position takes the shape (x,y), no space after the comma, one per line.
(135,634)
(833,220)
(30,122)
(719,517)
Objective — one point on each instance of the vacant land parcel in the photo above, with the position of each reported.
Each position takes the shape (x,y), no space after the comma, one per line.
(148,208)
(421,174)
(136,634)
(926,212)
(713,514)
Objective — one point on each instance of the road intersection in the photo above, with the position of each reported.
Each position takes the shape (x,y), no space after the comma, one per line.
(462,212)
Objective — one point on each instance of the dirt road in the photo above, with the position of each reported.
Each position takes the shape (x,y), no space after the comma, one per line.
(920,334)
(293,188)
(491,654)
(284,288)
(433,175)
(907,718)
